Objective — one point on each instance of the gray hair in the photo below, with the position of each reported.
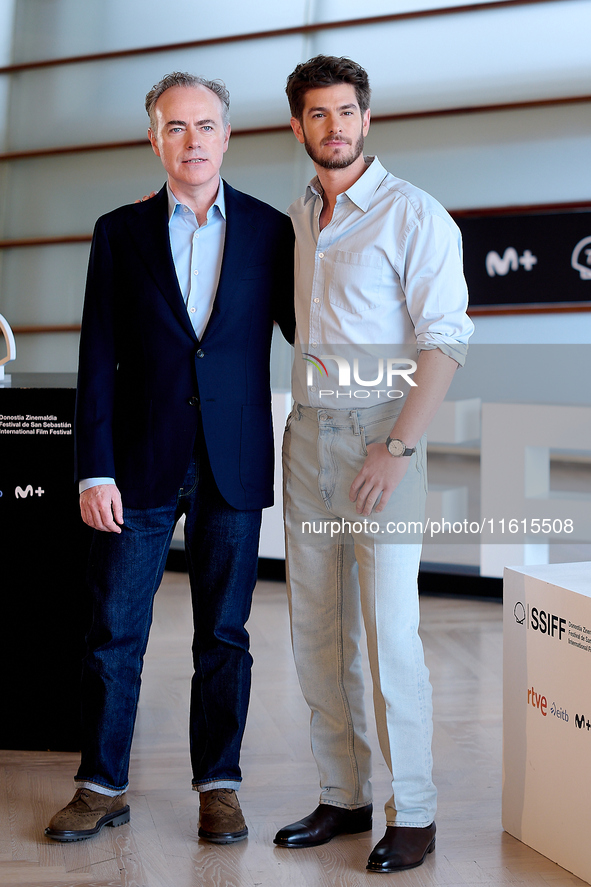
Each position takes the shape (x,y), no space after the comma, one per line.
(177,78)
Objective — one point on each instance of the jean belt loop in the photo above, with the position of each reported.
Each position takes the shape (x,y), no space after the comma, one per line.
(355,416)
(298,411)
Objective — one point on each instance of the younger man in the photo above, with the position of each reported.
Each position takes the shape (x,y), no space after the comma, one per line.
(378,263)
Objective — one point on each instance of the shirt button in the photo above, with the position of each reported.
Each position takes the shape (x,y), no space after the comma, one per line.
(193,401)
(196,234)
(312,388)
(316,300)
(320,255)
(195,272)
(200,353)
(192,310)
(185,209)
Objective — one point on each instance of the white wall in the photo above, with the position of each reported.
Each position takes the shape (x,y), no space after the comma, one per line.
(6,40)
(508,157)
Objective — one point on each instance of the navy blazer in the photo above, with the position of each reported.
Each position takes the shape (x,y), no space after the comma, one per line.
(144,377)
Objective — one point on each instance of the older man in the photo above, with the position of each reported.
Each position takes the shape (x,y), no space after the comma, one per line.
(173,417)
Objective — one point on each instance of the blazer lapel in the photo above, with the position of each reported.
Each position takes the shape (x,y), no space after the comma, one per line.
(151,238)
(238,245)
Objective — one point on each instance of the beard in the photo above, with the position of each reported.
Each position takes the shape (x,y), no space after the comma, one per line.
(339,162)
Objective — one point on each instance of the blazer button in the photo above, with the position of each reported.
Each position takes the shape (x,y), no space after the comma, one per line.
(200,353)
(194,401)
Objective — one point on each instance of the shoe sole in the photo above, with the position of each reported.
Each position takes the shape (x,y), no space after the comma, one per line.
(375,867)
(229,838)
(121,817)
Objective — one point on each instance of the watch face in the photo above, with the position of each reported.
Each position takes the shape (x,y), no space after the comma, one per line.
(396,447)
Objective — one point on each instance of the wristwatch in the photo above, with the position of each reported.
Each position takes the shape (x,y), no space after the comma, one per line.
(397,447)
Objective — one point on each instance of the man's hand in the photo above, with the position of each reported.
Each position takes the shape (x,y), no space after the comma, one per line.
(101,508)
(381,473)
(145,197)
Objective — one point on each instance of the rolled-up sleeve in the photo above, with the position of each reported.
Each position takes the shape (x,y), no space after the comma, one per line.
(433,281)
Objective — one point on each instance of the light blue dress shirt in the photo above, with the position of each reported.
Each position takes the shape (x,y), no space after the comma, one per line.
(197,254)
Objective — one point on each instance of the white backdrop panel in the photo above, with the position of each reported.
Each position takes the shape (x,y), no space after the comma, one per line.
(104,101)
(511,54)
(538,155)
(44,285)
(56,28)
(465,161)
(47,353)
(518,53)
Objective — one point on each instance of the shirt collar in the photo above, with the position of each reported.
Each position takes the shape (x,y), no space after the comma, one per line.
(220,201)
(362,191)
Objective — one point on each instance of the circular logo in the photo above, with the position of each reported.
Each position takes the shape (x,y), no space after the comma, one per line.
(519,612)
(584,270)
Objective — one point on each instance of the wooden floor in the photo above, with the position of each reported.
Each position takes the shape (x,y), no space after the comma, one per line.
(159,848)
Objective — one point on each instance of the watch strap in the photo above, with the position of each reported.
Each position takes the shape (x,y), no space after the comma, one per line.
(408,451)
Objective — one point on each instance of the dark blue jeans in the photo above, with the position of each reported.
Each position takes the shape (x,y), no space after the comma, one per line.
(125,571)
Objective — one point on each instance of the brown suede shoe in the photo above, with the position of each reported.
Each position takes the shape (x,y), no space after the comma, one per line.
(86,814)
(220,817)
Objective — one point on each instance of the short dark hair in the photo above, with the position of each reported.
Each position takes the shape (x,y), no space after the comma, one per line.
(326,70)
(179,78)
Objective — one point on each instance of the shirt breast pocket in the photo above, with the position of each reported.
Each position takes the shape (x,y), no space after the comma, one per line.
(355,281)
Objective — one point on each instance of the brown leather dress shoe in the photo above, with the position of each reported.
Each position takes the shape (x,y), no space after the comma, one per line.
(86,814)
(220,817)
(325,823)
(402,848)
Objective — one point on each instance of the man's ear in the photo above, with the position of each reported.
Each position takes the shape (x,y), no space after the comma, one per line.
(153,142)
(297,130)
(227,138)
(366,117)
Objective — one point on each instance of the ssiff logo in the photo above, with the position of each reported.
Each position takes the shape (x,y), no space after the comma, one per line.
(519,613)
(544,622)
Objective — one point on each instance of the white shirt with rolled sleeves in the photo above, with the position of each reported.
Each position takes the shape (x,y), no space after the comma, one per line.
(386,270)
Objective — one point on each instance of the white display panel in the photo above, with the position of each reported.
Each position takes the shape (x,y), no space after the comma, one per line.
(547,711)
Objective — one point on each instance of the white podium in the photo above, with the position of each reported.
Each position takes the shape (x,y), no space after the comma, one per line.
(547,711)
(515,481)
(456,421)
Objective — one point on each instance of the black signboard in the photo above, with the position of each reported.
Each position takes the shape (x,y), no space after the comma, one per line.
(528,258)
(44,548)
